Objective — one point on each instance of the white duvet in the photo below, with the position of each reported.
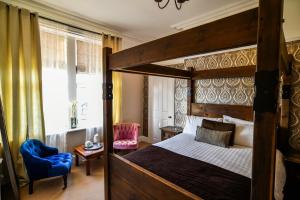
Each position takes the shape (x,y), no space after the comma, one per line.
(237,159)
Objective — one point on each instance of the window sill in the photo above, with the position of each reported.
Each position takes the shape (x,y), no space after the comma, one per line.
(72,130)
(79,129)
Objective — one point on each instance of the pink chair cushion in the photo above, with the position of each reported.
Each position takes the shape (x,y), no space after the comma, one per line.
(126,136)
(125,144)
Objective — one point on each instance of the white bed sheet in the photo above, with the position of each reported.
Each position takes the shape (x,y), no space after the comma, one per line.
(237,159)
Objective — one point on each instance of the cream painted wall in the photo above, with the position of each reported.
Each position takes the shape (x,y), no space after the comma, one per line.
(128,42)
(291,15)
(132,98)
(132,91)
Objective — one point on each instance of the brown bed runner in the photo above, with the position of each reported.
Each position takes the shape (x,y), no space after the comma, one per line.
(203,179)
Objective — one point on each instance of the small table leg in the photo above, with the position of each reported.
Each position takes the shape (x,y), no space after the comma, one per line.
(76,160)
(88,169)
(162,135)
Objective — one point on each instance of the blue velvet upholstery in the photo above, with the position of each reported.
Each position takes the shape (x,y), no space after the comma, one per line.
(42,161)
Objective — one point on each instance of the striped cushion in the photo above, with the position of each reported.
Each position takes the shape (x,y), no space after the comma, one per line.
(218,138)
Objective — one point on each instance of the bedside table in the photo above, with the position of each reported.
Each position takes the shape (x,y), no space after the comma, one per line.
(291,190)
(170,131)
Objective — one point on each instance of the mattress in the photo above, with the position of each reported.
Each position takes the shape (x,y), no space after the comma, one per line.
(198,177)
(237,159)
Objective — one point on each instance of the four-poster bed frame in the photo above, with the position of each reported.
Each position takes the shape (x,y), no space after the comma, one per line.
(261,26)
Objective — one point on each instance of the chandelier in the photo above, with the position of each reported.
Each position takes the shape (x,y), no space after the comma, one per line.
(178,3)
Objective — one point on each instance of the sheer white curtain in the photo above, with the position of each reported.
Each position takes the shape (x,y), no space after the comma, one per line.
(72,75)
(55,84)
(89,85)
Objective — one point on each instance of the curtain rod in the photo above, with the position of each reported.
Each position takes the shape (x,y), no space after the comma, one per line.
(72,26)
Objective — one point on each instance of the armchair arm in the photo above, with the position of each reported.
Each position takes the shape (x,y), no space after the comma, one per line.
(116,132)
(136,133)
(37,167)
(40,162)
(48,151)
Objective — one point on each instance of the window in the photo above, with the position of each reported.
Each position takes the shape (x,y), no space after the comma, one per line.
(88,81)
(72,78)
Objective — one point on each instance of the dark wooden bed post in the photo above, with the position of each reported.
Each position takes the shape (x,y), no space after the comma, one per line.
(107,119)
(190,92)
(265,103)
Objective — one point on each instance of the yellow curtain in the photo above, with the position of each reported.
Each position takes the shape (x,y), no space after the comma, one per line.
(115,43)
(20,78)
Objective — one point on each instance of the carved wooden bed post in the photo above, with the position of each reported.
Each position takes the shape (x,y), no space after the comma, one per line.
(265,103)
(283,133)
(107,119)
(190,92)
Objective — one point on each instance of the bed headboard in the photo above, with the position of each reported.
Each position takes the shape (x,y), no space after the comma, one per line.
(218,110)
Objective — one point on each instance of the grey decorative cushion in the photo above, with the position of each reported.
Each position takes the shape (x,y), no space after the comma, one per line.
(218,138)
(220,126)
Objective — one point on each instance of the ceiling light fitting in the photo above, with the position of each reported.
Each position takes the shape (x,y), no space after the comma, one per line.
(178,3)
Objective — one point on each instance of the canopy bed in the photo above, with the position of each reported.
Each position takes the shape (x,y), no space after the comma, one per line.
(127,178)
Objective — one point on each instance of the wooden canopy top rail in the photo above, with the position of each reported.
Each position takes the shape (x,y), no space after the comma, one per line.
(218,110)
(157,70)
(261,26)
(231,32)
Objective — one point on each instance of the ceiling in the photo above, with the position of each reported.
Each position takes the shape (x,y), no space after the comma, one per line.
(142,19)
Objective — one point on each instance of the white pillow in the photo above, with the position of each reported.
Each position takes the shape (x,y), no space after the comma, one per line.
(191,123)
(239,121)
(243,131)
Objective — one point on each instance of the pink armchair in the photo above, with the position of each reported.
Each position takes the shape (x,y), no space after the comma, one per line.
(126,136)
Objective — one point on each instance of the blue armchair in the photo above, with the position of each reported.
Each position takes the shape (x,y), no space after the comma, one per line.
(42,161)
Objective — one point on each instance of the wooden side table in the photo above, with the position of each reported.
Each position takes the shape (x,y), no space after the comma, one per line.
(292,163)
(170,131)
(87,155)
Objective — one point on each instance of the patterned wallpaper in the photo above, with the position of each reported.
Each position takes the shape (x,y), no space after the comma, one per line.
(294,48)
(235,90)
(217,91)
(225,91)
(180,102)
